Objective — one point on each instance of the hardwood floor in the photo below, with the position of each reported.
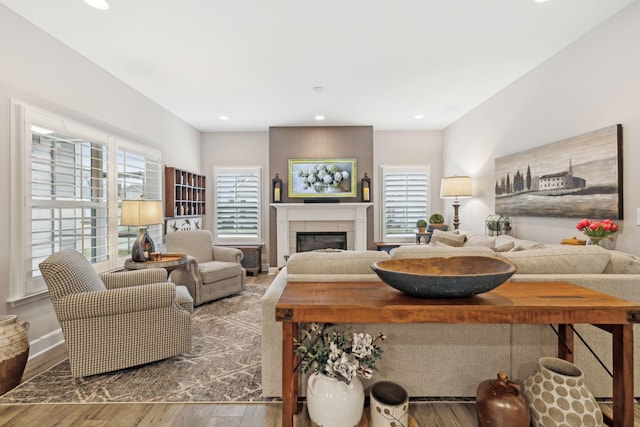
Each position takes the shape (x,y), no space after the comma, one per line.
(209,415)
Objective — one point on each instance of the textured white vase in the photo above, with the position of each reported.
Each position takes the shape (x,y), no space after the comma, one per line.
(334,403)
(557,396)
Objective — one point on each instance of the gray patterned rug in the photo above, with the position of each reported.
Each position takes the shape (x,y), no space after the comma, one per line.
(223,366)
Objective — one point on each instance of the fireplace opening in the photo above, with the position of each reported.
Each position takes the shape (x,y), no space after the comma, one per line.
(311,241)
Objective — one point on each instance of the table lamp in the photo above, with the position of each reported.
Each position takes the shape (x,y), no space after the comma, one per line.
(455,187)
(140,213)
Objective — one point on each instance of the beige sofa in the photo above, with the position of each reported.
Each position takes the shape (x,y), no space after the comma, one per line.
(451,360)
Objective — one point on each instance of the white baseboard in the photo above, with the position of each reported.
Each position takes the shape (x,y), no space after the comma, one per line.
(45,352)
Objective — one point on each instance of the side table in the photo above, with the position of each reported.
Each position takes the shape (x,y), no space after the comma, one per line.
(426,236)
(168,261)
(252,258)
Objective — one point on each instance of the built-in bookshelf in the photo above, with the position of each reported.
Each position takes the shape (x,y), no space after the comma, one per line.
(184,193)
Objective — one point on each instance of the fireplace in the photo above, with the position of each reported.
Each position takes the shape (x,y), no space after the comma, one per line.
(320,217)
(311,241)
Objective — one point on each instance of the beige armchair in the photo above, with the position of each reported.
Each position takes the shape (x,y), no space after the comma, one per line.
(118,320)
(212,272)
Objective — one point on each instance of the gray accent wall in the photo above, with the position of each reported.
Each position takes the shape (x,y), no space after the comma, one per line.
(318,142)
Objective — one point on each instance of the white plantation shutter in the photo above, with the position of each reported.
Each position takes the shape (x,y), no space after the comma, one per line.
(238,212)
(69,204)
(69,179)
(405,198)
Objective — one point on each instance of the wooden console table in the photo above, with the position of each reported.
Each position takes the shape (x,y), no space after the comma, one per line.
(524,302)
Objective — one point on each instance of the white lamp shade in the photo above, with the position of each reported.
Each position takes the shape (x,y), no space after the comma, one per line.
(141,212)
(455,186)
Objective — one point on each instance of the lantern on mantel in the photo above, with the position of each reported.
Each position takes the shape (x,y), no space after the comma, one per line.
(365,188)
(276,190)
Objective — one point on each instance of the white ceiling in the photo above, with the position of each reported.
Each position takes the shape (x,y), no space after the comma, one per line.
(380,62)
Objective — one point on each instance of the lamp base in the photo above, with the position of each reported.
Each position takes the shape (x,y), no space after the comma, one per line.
(142,247)
(456,218)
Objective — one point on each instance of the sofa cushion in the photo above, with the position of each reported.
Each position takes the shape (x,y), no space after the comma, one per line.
(622,263)
(423,251)
(214,271)
(559,260)
(345,262)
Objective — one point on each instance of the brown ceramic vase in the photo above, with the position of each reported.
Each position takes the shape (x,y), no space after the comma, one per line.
(500,403)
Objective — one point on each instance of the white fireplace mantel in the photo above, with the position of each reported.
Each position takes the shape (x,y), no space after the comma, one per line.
(289,212)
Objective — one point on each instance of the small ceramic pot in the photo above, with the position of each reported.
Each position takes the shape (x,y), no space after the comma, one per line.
(389,404)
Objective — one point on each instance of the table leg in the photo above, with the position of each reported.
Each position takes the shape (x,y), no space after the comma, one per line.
(565,342)
(622,375)
(289,375)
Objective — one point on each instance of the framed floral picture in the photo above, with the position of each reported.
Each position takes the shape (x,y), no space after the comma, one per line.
(331,178)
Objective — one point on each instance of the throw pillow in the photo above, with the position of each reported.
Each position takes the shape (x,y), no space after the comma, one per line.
(480,240)
(622,263)
(504,248)
(448,238)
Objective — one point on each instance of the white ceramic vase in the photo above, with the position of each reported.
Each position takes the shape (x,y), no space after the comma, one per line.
(558,396)
(334,403)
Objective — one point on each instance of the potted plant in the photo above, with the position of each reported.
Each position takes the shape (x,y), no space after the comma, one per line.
(337,357)
(436,220)
(422,225)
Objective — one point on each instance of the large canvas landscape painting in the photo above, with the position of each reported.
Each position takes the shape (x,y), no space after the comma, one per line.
(580,177)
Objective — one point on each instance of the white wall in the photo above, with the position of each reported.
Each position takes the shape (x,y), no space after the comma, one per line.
(39,70)
(401,148)
(589,85)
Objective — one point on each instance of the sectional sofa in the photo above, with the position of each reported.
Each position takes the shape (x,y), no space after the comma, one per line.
(451,360)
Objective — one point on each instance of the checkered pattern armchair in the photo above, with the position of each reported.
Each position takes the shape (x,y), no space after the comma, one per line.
(118,320)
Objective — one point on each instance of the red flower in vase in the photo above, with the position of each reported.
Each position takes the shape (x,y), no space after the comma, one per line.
(601,229)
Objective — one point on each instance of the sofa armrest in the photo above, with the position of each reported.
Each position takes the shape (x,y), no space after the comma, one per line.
(123,279)
(222,253)
(112,302)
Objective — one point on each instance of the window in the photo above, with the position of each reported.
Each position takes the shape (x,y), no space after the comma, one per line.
(405,199)
(71,178)
(238,206)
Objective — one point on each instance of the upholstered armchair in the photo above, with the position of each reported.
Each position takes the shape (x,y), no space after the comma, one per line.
(211,272)
(116,320)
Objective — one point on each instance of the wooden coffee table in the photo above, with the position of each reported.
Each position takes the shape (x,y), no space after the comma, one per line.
(523,302)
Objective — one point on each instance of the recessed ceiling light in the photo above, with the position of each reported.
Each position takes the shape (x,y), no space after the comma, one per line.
(319,117)
(418,116)
(223,117)
(540,1)
(98,4)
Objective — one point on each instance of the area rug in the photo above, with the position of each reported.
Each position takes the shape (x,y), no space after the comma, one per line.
(224,365)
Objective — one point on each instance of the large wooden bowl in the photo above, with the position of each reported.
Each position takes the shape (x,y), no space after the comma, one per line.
(454,277)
